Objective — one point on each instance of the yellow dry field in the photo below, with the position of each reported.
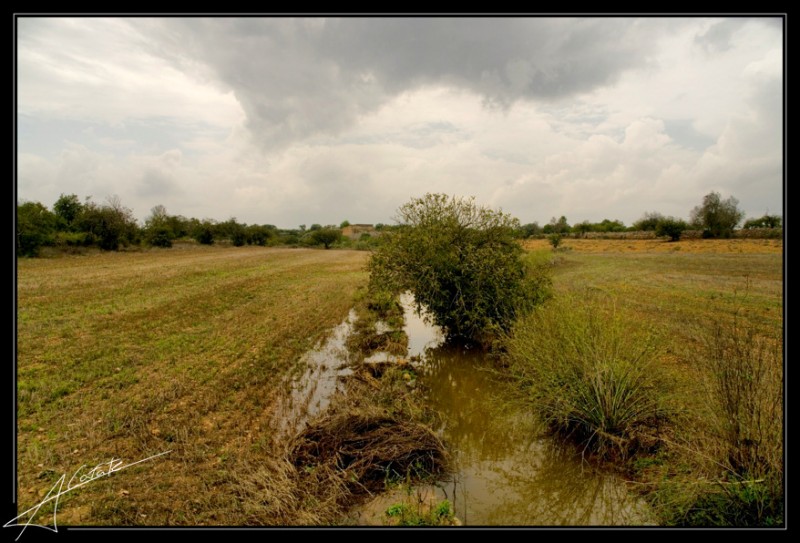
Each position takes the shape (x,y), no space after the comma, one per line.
(693,246)
(128,355)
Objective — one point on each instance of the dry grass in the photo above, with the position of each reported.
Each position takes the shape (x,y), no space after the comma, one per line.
(685,293)
(692,246)
(127,355)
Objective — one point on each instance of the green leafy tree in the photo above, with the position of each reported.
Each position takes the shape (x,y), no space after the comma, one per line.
(157,231)
(649,221)
(67,208)
(717,217)
(560,226)
(345,223)
(36,227)
(325,236)
(531,229)
(461,261)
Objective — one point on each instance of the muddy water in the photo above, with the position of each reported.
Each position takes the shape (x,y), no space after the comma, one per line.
(310,394)
(507,471)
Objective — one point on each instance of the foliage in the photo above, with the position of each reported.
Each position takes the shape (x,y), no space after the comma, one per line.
(560,226)
(67,208)
(203,232)
(649,221)
(528,230)
(588,372)
(110,225)
(555,240)
(35,228)
(717,217)
(462,262)
(670,226)
(406,514)
(767,221)
(345,224)
(325,236)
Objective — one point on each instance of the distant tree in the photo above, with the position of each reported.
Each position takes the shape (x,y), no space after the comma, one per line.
(67,208)
(530,229)
(583,227)
(36,227)
(203,231)
(717,217)
(672,227)
(325,236)
(649,221)
(109,225)
(259,235)
(345,223)
(560,226)
(610,226)
(157,231)
(379,226)
(767,221)
(315,226)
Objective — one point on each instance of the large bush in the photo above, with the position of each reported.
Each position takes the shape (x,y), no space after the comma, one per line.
(35,227)
(462,262)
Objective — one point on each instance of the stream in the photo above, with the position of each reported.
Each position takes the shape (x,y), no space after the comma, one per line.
(508,471)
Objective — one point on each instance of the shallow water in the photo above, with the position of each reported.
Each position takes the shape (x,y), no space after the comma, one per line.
(508,472)
(310,394)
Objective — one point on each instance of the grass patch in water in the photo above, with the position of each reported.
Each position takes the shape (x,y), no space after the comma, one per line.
(590,374)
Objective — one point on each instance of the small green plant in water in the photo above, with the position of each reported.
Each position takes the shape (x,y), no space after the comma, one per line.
(405,514)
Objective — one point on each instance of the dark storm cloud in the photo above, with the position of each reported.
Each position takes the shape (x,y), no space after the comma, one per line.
(300,77)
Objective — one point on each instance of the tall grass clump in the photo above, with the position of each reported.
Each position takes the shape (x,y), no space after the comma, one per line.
(743,426)
(589,373)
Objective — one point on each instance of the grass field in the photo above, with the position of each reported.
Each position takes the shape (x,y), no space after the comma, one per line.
(127,355)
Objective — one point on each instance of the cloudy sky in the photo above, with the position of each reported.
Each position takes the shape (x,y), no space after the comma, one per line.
(311,120)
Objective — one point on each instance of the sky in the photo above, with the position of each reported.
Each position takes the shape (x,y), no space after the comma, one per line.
(290,121)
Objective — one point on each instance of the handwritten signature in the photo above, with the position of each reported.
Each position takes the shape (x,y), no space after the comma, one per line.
(80,478)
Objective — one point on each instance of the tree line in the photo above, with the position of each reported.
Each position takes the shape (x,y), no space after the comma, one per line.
(714,217)
(73,223)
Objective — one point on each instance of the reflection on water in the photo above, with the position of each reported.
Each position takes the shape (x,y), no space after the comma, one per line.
(508,472)
(310,394)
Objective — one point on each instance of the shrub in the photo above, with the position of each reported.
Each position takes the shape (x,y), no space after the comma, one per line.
(588,373)
(462,262)
(555,240)
(35,227)
(671,227)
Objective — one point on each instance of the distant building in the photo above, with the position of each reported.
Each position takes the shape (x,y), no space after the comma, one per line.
(354,231)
